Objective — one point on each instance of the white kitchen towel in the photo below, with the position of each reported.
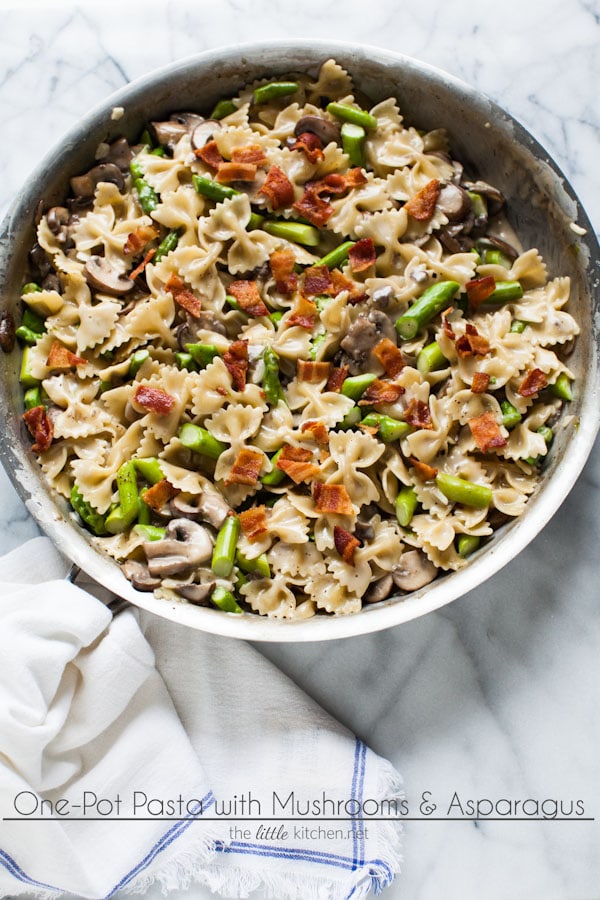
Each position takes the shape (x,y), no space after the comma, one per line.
(134,750)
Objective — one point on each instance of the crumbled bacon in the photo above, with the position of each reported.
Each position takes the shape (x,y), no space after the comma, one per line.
(160,493)
(446,326)
(252,153)
(210,155)
(534,382)
(254,522)
(236,171)
(40,427)
(297,463)
(336,379)
(317,431)
(345,544)
(310,143)
(312,205)
(381,392)
(332,498)
(137,240)
(418,414)
(427,473)
(182,297)
(312,371)
(236,362)
(340,283)
(317,280)
(480,382)
(248,296)
(390,357)
(278,188)
(140,268)
(486,432)
(422,206)
(281,263)
(153,400)
(246,467)
(60,357)
(303,314)
(471,343)
(362,255)
(479,290)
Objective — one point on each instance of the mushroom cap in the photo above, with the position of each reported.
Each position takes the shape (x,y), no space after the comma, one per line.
(208,506)
(169,133)
(137,573)
(195,593)
(326,130)
(84,186)
(413,571)
(203,133)
(380,589)
(185,545)
(100,275)
(454,202)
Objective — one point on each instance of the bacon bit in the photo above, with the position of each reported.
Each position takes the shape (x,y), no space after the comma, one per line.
(254,522)
(248,296)
(534,381)
(425,472)
(312,371)
(389,356)
(160,493)
(297,463)
(317,280)
(236,361)
(137,240)
(479,290)
(252,153)
(318,431)
(40,428)
(140,268)
(332,498)
(362,255)
(278,188)
(340,283)
(345,544)
(210,155)
(303,314)
(471,343)
(480,382)
(422,206)
(381,392)
(234,171)
(418,414)
(153,400)
(246,467)
(486,432)
(312,207)
(183,297)
(281,263)
(311,145)
(60,357)
(336,379)
(446,326)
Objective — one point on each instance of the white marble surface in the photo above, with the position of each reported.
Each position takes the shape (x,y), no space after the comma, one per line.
(496,695)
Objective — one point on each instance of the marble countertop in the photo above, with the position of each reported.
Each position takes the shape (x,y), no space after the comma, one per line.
(495,696)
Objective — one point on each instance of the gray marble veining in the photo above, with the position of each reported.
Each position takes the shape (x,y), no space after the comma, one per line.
(496,696)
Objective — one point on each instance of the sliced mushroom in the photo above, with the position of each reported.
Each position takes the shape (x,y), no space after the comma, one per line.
(195,593)
(379,590)
(363,530)
(187,332)
(57,218)
(455,239)
(84,186)
(119,153)
(495,199)
(363,336)
(39,262)
(169,133)
(52,283)
(208,506)
(7,331)
(137,573)
(327,131)
(204,132)
(185,545)
(454,202)
(413,571)
(100,275)
(381,296)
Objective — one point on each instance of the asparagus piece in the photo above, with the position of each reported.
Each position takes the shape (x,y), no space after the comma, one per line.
(223,108)
(150,532)
(137,361)
(275,476)
(259,565)
(389,429)
(546,433)
(200,441)
(351,419)
(406,503)
(202,354)
(518,326)
(25,377)
(478,204)
(146,194)
(355,386)
(33,397)
(225,600)
(92,518)
(127,511)
(212,189)
(353,139)
(223,556)
(26,335)
(271,383)
(336,257)
(34,322)
(467,544)
(431,302)
(562,387)
(166,246)
(431,358)
(149,468)
(506,291)
(255,221)
(351,114)
(276,317)
(31,288)
(316,343)
(274,90)
(497,258)
(144,516)
(297,232)
(185,361)
(459,490)
(510,414)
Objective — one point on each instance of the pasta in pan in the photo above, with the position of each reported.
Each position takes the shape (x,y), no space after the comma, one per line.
(290,359)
